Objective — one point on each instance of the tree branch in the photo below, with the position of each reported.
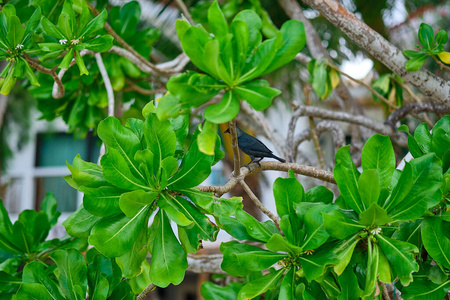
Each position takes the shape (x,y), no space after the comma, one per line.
(415,108)
(368,39)
(145,292)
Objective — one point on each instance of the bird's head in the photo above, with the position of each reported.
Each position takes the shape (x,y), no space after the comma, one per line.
(238,131)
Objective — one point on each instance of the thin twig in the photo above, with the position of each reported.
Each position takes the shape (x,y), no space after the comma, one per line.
(106,82)
(134,87)
(59,91)
(259,204)
(441,64)
(368,86)
(314,135)
(269,165)
(185,11)
(145,292)
(234,145)
(125,45)
(415,108)
(385,292)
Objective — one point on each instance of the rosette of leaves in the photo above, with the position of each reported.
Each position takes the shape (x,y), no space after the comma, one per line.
(73,34)
(15,41)
(74,277)
(24,242)
(232,57)
(140,176)
(431,45)
(432,232)
(302,254)
(372,205)
(323,78)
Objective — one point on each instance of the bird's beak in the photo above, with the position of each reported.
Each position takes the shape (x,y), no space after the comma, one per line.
(227,131)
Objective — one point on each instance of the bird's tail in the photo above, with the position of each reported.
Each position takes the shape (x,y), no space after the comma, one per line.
(278,158)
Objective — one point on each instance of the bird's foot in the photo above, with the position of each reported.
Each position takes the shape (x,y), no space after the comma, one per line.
(248,167)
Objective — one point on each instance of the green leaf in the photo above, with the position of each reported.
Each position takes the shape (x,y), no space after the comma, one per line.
(131,262)
(6,230)
(315,265)
(416,63)
(51,29)
(423,137)
(211,291)
(71,273)
(279,243)
(372,268)
(319,77)
(93,26)
(117,172)
(401,257)
(256,229)
(254,26)
(286,192)
(80,63)
(79,223)
(426,36)
(409,232)
(64,25)
(32,25)
(349,286)
(344,253)
(102,201)
(86,174)
(441,141)
(240,41)
(114,235)
(169,106)
(217,21)
(207,138)
(98,284)
(130,14)
(174,213)
(441,37)
(100,44)
(378,154)
(294,39)
(192,88)
(422,289)
(193,42)
(288,285)
(132,202)
(261,285)
(316,233)
(243,259)
(347,176)
(339,226)
(319,194)
(160,139)
(375,215)
(369,187)
(49,206)
(169,261)
(261,60)
(65,63)
(122,139)
(15,31)
(34,272)
(435,242)
(418,188)
(257,93)
(194,169)
(224,111)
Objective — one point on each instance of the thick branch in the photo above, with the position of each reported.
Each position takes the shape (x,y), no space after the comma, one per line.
(415,108)
(209,263)
(234,145)
(269,165)
(367,38)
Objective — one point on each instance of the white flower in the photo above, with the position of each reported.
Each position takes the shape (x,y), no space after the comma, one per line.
(63,41)
(75,42)
(19,46)
(375,231)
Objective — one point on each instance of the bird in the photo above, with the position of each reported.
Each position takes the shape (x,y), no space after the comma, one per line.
(253,147)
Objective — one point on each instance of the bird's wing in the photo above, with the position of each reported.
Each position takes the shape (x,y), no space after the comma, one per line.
(249,142)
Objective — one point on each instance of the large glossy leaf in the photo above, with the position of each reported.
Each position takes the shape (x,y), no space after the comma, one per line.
(288,285)
(349,286)
(206,139)
(344,252)
(15,31)
(102,201)
(369,187)
(95,25)
(193,42)
(257,93)
(169,261)
(34,272)
(132,202)
(131,262)
(211,291)
(372,268)
(214,61)
(71,273)
(346,176)
(314,265)
(243,259)
(160,139)
(409,232)
(217,21)
(224,111)
(279,243)
(294,39)
(32,25)
(86,174)
(80,223)
(339,225)
(260,60)
(114,235)
(286,192)
(117,172)
(435,242)
(261,285)
(122,139)
(316,234)
(378,154)
(194,169)
(6,230)
(375,215)
(240,41)
(422,289)
(418,188)
(400,256)
(258,230)
(254,26)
